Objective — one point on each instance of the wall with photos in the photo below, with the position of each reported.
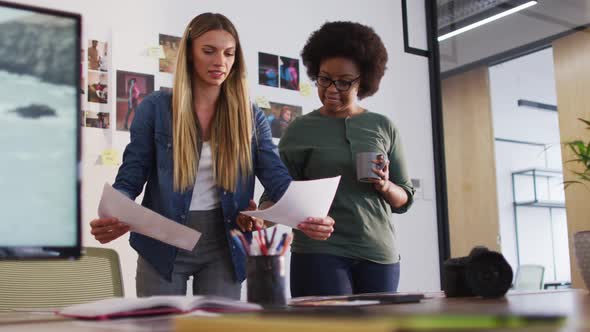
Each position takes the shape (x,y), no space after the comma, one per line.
(542,232)
(128,35)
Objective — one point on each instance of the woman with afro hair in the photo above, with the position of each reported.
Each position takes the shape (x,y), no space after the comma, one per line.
(347,61)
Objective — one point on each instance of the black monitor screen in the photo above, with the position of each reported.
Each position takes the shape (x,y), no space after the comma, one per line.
(40,132)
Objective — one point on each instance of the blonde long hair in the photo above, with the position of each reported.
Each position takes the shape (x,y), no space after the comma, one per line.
(231,128)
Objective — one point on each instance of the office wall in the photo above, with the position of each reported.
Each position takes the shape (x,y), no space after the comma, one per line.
(542,232)
(572,80)
(469,156)
(277,27)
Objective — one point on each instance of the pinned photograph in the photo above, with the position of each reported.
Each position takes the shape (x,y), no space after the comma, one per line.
(268,69)
(97,55)
(289,73)
(280,116)
(97,120)
(169,44)
(98,87)
(131,89)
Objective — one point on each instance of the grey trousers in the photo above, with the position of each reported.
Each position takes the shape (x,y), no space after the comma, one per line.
(209,264)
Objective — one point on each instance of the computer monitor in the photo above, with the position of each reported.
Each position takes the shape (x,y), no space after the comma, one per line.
(40,132)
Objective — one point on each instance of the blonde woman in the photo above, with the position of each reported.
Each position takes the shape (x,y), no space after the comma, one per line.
(199,149)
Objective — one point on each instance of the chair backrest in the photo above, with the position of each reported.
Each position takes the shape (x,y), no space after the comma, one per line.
(529,277)
(30,284)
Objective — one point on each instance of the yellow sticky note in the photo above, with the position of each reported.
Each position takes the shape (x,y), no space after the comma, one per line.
(156,52)
(262,102)
(305,89)
(110,157)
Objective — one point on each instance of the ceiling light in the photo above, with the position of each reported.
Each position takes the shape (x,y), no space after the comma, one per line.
(497,16)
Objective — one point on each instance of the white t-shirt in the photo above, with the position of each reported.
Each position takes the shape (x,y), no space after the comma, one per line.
(205,194)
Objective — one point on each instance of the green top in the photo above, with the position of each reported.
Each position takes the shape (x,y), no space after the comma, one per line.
(316,146)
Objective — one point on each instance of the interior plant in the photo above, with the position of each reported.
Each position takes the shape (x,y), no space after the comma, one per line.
(581,151)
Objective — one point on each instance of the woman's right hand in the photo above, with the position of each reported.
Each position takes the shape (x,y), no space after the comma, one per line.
(247,223)
(106,230)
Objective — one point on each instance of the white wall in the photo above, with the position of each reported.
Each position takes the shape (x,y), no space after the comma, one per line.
(542,232)
(277,27)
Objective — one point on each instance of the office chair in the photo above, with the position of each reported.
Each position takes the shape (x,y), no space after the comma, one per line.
(529,277)
(43,284)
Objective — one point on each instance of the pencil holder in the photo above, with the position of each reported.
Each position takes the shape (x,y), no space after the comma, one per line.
(266,280)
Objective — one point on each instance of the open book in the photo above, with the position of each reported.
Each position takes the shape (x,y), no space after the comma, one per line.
(155,305)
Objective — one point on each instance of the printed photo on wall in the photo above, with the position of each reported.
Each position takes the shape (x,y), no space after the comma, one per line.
(289,73)
(170,46)
(98,87)
(280,116)
(131,89)
(97,120)
(97,55)
(268,69)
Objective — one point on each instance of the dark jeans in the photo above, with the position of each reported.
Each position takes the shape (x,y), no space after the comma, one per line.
(322,274)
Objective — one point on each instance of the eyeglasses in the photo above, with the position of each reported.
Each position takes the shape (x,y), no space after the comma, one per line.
(341,85)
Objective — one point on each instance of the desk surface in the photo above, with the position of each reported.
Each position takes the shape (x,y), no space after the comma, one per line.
(573,304)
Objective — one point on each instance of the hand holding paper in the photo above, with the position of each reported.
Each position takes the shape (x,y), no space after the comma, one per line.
(145,221)
(317,228)
(303,199)
(106,230)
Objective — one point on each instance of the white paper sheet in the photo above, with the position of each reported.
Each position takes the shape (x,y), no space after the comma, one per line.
(145,221)
(302,199)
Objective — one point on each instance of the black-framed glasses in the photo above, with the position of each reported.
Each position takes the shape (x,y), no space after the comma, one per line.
(341,85)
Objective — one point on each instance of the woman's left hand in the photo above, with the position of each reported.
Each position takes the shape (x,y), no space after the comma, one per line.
(383,185)
(317,228)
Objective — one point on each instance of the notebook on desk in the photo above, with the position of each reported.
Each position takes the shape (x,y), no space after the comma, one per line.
(154,305)
(357,299)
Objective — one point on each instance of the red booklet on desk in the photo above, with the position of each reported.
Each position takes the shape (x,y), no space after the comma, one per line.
(155,305)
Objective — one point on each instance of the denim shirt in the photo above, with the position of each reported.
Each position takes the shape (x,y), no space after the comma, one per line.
(148,157)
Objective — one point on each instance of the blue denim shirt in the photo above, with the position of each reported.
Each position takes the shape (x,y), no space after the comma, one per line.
(148,157)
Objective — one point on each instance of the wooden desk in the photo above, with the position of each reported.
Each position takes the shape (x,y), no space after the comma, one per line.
(573,304)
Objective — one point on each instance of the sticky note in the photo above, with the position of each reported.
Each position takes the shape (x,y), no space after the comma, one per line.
(110,157)
(262,102)
(305,89)
(156,52)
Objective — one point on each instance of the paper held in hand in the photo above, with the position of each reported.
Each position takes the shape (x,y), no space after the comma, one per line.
(145,221)
(303,199)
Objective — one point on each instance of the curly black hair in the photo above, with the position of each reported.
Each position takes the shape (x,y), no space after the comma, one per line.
(349,40)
